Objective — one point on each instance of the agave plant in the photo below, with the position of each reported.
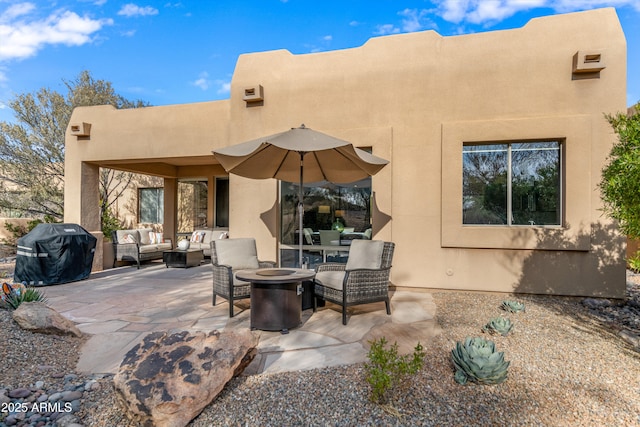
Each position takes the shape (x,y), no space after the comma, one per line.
(512,306)
(13,297)
(477,360)
(498,325)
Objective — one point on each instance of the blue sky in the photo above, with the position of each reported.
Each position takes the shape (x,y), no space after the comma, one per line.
(171,52)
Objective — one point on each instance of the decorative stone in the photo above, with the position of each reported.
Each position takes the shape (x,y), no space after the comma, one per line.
(18,393)
(68,396)
(166,380)
(38,317)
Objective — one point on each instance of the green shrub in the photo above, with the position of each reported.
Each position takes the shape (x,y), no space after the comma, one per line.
(110,222)
(386,368)
(477,360)
(633,262)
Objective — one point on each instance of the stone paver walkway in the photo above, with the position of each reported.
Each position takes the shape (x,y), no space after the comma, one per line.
(119,307)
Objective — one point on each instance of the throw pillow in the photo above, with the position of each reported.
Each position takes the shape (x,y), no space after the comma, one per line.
(128,238)
(159,237)
(152,238)
(365,254)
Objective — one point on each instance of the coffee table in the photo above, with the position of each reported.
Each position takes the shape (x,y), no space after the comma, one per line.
(276,297)
(183,259)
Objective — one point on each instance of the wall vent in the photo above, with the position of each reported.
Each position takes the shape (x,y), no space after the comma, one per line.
(253,94)
(81,129)
(585,61)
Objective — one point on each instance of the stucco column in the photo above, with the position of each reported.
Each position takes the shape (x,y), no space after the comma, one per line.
(170,209)
(90,209)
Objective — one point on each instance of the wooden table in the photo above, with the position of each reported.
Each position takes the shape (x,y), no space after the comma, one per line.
(276,297)
(183,259)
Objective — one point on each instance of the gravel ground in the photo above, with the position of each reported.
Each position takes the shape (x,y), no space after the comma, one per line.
(569,367)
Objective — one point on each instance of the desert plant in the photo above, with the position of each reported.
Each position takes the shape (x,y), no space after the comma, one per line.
(110,222)
(386,368)
(498,325)
(477,360)
(14,297)
(512,306)
(633,262)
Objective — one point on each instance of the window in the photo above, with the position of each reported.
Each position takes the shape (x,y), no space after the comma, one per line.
(517,183)
(222,202)
(192,205)
(151,205)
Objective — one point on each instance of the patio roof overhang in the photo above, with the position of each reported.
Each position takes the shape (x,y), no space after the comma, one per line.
(168,167)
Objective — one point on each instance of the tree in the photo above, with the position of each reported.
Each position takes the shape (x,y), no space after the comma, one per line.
(620,184)
(32,148)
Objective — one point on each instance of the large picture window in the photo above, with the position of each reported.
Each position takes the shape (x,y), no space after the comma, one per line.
(516,183)
(151,205)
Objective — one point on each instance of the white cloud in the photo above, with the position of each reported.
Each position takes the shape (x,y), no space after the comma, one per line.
(385,29)
(129,10)
(412,20)
(488,11)
(16,10)
(327,38)
(202,81)
(22,35)
(224,87)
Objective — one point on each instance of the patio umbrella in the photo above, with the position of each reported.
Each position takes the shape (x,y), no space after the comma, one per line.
(299,155)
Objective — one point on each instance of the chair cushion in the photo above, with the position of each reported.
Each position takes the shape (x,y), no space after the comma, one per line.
(238,282)
(330,279)
(146,249)
(365,254)
(239,254)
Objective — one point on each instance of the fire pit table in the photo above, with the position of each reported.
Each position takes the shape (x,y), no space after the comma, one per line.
(276,297)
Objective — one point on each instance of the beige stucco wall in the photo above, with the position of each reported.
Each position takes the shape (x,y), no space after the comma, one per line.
(415,98)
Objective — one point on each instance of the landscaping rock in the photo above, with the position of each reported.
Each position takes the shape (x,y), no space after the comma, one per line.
(167,380)
(38,317)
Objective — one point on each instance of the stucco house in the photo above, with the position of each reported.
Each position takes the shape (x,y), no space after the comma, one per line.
(495,140)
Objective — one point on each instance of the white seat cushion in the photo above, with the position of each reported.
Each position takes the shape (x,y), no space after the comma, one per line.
(365,254)
(238,282)
(239,254)
(145,249)
(330,279)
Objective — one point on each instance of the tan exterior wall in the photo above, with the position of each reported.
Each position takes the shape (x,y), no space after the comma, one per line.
(414,98)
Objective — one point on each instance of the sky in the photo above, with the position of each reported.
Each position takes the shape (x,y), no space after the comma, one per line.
(174,52)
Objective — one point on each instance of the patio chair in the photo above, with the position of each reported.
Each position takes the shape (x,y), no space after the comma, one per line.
(362,280)
(227,257)
(330,238)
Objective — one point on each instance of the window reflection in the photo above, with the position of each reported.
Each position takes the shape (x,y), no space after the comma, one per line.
(522,179)
(326,206)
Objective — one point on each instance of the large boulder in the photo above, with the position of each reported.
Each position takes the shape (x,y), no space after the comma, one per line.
(36,316)
(167,380)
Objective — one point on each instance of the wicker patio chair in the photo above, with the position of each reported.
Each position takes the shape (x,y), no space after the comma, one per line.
(227,257)
(362,280)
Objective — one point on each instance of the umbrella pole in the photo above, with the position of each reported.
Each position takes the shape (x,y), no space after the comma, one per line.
(300,209)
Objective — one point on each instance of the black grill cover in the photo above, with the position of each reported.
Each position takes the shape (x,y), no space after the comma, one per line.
(54,253)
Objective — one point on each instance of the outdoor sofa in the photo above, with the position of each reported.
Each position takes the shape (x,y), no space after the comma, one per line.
(201,239)
(137,245)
